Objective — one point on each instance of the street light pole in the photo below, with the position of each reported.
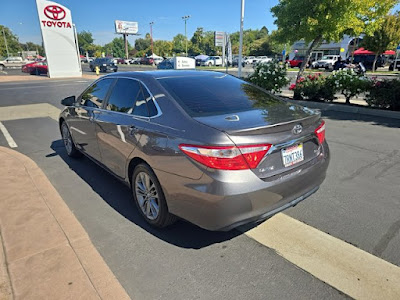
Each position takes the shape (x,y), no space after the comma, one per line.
(5,42)
(241,39)
(185,18)
(151,39)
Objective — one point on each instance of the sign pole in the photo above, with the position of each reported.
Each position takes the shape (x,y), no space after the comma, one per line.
(223,50)
(241,39)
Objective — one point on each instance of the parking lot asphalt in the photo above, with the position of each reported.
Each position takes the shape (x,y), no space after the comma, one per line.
(358,204)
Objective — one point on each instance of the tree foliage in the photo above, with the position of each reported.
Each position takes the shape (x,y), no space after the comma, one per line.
(317,20)
(116,47)
(12,42)
(387,36)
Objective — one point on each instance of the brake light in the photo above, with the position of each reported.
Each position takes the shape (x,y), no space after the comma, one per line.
(320,132)
(227,158)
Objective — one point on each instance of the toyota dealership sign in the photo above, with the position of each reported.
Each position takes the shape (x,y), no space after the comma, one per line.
(59,39)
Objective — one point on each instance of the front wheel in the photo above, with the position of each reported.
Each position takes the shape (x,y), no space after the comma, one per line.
(68,142)
(149,197)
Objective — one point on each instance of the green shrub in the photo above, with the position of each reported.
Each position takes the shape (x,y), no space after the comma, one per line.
(384,94)
(349,83)
(314,87)
(270,76)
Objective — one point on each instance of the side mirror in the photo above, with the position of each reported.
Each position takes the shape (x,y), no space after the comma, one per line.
(69,101)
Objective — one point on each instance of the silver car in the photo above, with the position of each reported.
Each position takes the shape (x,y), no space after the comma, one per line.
(203,146)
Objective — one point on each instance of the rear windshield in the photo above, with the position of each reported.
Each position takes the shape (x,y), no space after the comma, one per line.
(215,95)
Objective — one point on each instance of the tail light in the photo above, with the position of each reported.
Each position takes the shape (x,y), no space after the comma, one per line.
(320,132)
(227,158)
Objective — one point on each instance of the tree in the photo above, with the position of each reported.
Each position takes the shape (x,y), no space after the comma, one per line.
(316,20)
(116,48)
(385,37)
(163,48)
(178,43)
(142,44)
(29,46)
(12,42)
(85,42)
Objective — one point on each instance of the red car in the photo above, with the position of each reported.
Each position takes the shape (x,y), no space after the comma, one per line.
(35,68)
(296,61)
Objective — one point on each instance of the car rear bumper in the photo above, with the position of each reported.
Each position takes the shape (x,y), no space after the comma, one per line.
(222,200)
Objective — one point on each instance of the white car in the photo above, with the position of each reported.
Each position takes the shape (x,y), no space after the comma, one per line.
(13,62)
(157,60)
(212,61)
(249,60)
(326,62)
(261,60)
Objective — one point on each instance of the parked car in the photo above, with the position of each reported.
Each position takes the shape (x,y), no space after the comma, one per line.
(121,61)
(157,60)
(296,61)
(249,60)
(135,60)
(261,60)
(146,61)
(13,62)
(166,64)
(394,65)
(35,68)
(235,62)
(104,63)
(326,62)
(368,60)
(212,61)
(214,150)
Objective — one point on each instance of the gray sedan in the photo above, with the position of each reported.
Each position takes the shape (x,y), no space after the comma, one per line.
(203,146)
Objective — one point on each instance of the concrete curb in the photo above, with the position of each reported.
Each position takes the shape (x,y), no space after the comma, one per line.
(16,78)
(349,109)
(48,253)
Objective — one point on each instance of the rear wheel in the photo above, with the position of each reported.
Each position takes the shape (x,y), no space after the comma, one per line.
(68,142)
(149,197)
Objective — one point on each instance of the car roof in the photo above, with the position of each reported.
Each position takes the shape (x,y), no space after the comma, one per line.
(165,74)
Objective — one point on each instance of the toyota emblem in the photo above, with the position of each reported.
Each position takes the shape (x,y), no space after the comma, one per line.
(54,12)
(297,129)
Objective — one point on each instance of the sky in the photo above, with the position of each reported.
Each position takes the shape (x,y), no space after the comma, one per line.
(98,17)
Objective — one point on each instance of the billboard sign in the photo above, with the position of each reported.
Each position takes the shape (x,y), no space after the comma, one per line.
(219,38)
(126,27)
(59,39)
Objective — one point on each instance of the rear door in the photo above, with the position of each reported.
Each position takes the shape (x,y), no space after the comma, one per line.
(120,125)
(82,125)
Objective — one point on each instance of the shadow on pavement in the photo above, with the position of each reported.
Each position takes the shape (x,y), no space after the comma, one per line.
(182,234)
(375,120)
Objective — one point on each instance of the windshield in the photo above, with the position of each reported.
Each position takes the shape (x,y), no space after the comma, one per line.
(215,95)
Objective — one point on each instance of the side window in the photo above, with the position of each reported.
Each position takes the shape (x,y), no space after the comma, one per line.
(150,103)
(123,95)
(95,95)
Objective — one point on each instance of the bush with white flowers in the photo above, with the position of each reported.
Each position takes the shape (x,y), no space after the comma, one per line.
(271,76)
(349,83)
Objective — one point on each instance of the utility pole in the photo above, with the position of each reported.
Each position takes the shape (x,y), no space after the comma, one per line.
(241,39)
(126,45)
(151,40)
(5,42)
(185,18)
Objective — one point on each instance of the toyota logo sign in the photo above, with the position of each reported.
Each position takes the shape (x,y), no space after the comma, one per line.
(54,12)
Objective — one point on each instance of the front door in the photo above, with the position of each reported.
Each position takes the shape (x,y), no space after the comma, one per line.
(82,126)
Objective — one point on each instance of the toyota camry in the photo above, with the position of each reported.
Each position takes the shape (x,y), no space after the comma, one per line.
(206,147)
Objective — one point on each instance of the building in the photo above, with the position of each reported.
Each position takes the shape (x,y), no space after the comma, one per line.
(344,48)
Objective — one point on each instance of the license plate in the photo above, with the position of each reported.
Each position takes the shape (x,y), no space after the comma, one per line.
(292,155)
(104,65)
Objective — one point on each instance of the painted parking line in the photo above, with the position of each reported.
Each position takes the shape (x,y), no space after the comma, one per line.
(349,269)
(28,111)
(8,137)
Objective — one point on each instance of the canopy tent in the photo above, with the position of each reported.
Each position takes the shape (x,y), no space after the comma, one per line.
(201,56)
(362,51)
(389,52)
(154,56)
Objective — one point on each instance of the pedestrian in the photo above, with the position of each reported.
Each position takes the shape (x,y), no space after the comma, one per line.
(338,64)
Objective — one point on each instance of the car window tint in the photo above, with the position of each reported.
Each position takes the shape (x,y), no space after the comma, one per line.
(140,108)
(150,103)
(95,95)
(213,95)
(123,95)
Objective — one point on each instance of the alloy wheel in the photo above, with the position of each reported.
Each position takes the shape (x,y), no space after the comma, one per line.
(147,196)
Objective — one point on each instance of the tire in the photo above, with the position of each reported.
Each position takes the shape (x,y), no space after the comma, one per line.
(210,64)
(153,209)
(68,142)
(92,69)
